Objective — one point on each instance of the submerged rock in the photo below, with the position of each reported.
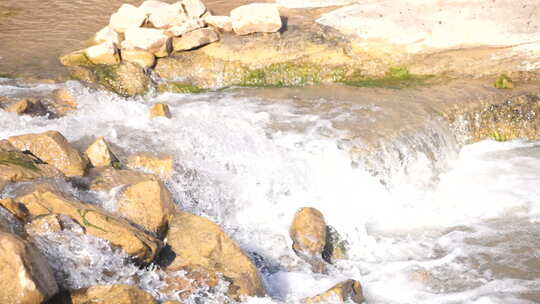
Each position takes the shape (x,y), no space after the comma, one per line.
(25,276)
(188,284)
(198,242)
(195,39)
(345,292)
(105,294)
(148,204)
(308,232)
(100,154)
(256,18)
(64,101)
(44,199)
(158,164)
(160,110)
(49,223)
(53,148)
(104,179)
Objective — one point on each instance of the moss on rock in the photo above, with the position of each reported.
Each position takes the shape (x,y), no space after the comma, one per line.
(14,158)
(394,78)
(504,82)
(179,87)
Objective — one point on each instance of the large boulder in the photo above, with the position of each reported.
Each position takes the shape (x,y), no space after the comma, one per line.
(162,165)
(256,18)
(52,148)
(152,40)
(148,204)
(44,199)
(127,16)
(308,232)
(25,276)
(103,53)
(349,291)
(106,294)
(198,242)
(195,39)
(100,154)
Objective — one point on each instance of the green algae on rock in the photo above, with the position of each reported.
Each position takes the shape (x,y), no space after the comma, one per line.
(179,87)
(504,82)
(394,78)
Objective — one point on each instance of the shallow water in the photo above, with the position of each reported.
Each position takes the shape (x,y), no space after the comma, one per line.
(428,221)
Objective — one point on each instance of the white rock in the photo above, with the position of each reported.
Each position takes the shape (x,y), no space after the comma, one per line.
(195,39)
(150,6)
(104,53)
(167,16)
(152,40)
(107,34)
(194,8)
(127,16)
(223,23)
(255,18)
(186,27)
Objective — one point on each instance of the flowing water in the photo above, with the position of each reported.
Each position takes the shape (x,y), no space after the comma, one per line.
(426,219)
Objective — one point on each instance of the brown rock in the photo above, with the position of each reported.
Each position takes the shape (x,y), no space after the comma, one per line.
(16,166)
(99,153)
(145,59)
(104,179)
(18,210)
(52,223)
(256,18)
(344,292)
(103,53)
(44,199)
(26,277)
(195,39)
(308,232)
(148,204)
(64,101)
(198,242)
(19,107)
(108,294)
(186,27)
(160,110)
(193,280)
(54,149)
(161,165)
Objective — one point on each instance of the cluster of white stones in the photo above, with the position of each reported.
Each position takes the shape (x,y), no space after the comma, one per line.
(155,29)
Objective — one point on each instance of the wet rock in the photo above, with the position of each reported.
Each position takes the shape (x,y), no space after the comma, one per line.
(161,165)
(43,199)
(345,292)
(127,16)
(194,8)
(308,232)
(186,27)
(256,18)
(107,34)
(54,149)
(28,106)
(44,224)
(195,39)
(223,23)
(103,53)
(104,179)
(19,107)
(198,242)
(152,40)
(336,247)
(17,209)
(64,101)
(25,276)
(188,284)
(167,16)
(160,110)
(106,294)
(149,204)
(16,166)
(74,59)
(142,58)
(100,154)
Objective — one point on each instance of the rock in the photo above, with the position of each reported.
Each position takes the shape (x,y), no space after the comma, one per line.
(336,247)
(349,291)
(19,107)
(43,224)
(73,59)
(149,6)
(99,153)
(26,277)
(167,16)
(160,110)
(44,199)
(104,179)
(104,53)
(161,165)
(223,23)
(148,204)
(187,26)
(16,166)
(127,16)
(152,40)
(107,34)
(308,232)
(18,210)
(144,59)
(198,242)
(64,101)
(195,39)
(54,149)
(194,8)
(256,18)
(106,294)
(504,82)
(188,284)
